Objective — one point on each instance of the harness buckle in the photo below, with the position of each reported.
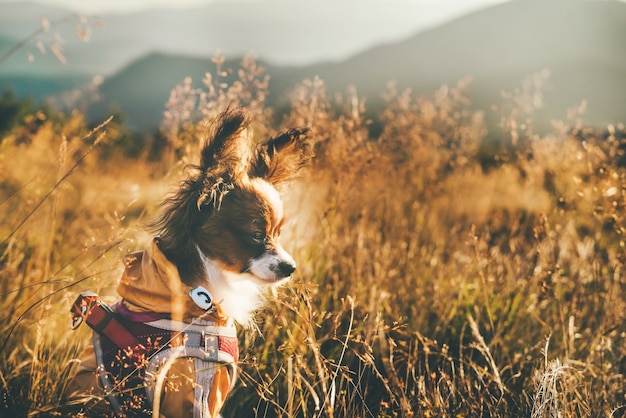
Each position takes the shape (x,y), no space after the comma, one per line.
(81,307)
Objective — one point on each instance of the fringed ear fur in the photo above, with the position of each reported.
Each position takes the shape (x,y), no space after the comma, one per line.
(224,149)
(224,159)
(279,159)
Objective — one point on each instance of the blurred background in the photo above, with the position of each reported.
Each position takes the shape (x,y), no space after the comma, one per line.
(105,56)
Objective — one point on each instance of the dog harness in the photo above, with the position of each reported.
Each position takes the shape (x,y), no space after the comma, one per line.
(135,350)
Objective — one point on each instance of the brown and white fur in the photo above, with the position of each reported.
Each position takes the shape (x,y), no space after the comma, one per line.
(220,232)
(221,228)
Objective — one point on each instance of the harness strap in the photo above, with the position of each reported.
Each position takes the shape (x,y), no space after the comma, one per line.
(205,376)
(100,317)
(131,390)
(219,342)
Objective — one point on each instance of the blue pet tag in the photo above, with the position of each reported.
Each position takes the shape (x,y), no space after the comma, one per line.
(201,297)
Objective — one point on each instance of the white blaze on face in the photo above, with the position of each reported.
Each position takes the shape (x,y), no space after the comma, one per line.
(271,196)
(273,265)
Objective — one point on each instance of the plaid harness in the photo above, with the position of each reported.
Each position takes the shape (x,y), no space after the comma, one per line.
(134,351)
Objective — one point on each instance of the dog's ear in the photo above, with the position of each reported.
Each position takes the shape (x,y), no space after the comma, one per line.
(278,159)
(224,159)
(224,149)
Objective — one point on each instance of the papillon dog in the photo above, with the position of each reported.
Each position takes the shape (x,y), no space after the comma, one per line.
(169,346)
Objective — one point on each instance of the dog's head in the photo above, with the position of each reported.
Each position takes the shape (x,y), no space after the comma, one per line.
(230,213)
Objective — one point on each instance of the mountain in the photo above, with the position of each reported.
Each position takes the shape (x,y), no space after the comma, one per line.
(580,42)
(22,81)
(42,88)
(141,90)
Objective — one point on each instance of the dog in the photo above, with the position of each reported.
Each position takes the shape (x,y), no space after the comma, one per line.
(168,348)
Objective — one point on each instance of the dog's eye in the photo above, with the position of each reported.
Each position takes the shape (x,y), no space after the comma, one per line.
(258,237)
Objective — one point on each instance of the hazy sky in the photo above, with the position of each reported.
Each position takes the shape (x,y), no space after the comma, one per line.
(387,20)
(103,6)
(432,12)
(364,23)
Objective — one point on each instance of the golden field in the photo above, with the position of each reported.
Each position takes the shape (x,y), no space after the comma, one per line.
(443,271)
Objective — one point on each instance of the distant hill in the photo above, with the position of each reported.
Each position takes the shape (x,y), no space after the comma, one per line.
(141,90)
(24,82)
(581,42)
(41,88)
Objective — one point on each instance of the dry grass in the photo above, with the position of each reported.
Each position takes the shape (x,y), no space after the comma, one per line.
(430,276)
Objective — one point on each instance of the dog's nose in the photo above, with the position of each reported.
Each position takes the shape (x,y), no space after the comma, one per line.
(286,268)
